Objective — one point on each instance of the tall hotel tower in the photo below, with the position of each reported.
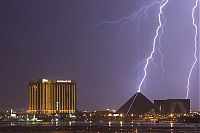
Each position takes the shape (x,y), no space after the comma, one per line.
(49,97)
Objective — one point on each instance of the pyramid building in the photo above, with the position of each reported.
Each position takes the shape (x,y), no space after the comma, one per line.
(137,104)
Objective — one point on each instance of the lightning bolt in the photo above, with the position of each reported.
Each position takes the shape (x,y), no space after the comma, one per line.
(130,18)
(162,5)
(195,48)
(160,46)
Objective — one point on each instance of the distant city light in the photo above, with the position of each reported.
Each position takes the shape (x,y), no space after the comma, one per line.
(115,115)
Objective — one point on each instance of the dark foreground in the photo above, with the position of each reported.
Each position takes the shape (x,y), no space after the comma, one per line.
(99,127)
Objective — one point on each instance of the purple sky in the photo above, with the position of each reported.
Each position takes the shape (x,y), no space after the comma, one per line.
(55,39)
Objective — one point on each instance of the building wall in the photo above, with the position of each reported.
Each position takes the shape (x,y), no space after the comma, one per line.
(177,106)
(48,97)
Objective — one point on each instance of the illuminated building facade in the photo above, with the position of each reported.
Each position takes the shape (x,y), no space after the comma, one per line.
(49,97)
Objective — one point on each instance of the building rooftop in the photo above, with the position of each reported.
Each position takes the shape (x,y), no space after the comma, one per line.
(43,80)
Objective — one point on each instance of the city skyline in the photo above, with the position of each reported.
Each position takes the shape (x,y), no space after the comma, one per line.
(56,40)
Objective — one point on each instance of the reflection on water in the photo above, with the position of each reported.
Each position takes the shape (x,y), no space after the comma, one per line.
(101,127)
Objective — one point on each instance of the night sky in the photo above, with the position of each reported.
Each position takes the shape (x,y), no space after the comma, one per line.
(56,39)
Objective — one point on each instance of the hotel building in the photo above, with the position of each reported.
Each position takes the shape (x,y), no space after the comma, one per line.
(52,96)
